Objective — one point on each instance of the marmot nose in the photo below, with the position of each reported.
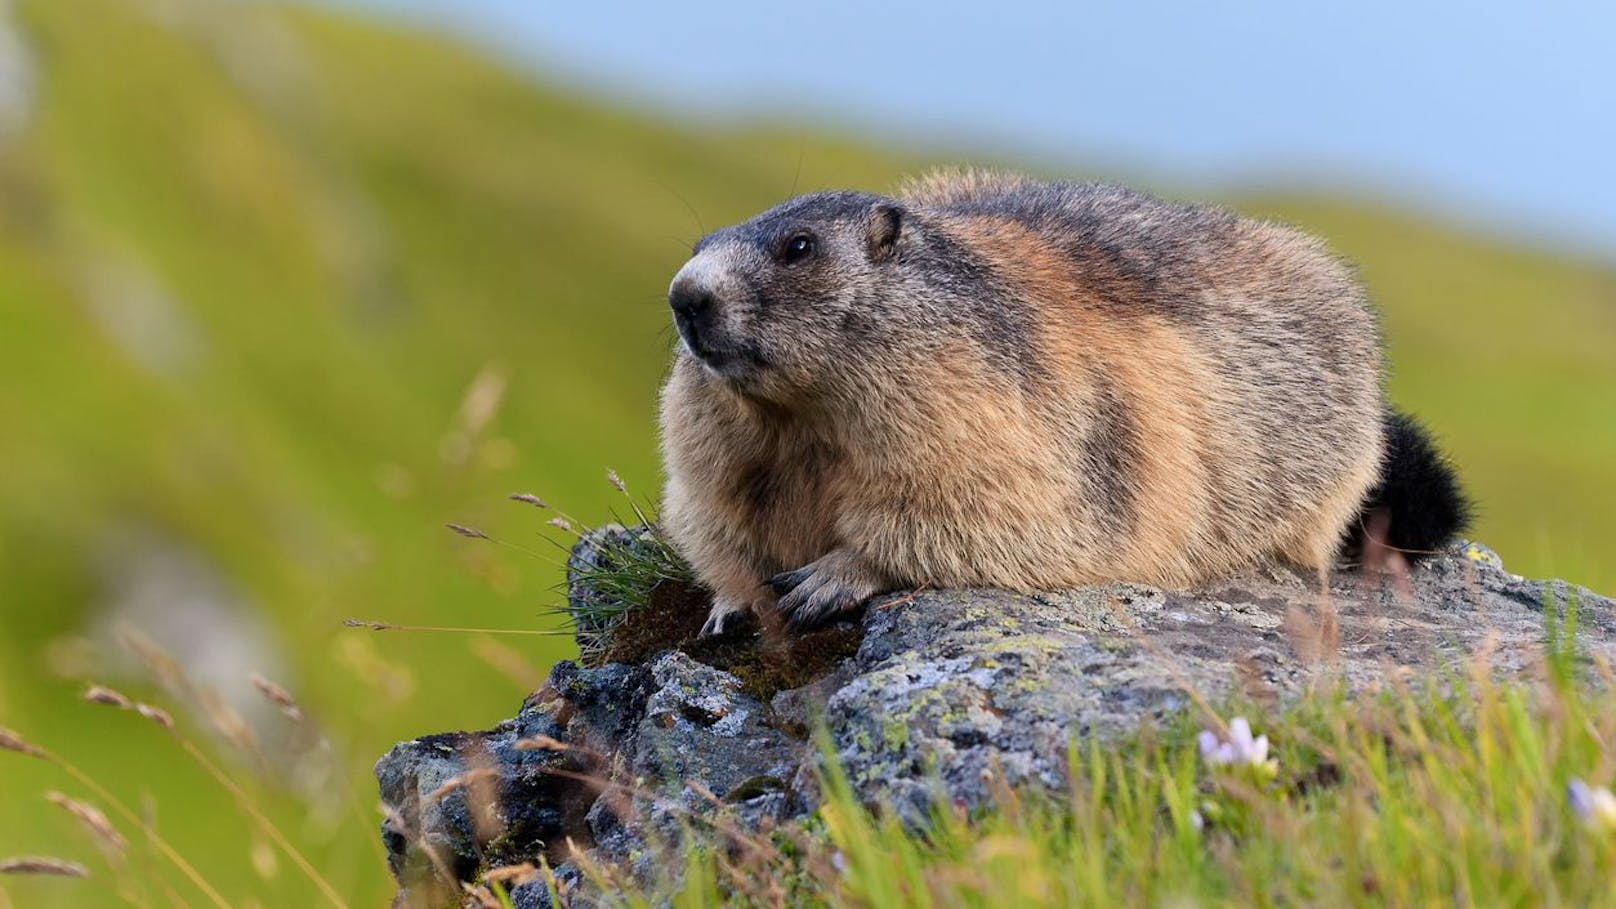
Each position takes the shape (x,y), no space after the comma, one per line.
(690,299)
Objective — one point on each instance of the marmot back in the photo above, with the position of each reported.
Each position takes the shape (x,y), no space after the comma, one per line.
(993,381)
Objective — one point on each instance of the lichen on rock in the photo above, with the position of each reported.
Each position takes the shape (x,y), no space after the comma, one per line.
(934,694)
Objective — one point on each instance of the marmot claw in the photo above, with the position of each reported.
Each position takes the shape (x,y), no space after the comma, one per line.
(821,591)
(726,617)
(787,581)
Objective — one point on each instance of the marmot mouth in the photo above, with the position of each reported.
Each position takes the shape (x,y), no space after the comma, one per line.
(699,347)
(727,361)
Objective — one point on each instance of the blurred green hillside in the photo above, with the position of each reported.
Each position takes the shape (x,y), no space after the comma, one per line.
(282,292)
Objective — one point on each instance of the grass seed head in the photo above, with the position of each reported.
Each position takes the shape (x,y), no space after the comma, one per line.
(100,694)
(13,741)
(157,715)
(363,623)
(92,819)
(42,865)
(278,696)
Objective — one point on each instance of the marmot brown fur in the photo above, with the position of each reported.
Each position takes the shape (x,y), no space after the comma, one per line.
(995,381)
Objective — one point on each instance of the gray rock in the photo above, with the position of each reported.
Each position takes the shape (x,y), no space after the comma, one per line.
(462,802)
(699,725)
(701,743)
(536,895)
(947,690)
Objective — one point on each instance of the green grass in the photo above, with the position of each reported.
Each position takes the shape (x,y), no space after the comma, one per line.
(241,308)
(1453,793)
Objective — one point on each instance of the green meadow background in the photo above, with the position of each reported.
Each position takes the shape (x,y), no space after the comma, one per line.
(282,291)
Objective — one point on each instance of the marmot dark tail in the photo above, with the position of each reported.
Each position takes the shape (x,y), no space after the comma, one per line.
(1417,505)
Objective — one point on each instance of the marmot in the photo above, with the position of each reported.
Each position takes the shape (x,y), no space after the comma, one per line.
(995,381)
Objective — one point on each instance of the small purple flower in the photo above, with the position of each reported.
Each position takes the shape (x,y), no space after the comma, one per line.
(1241,750)
(1593,805)
(838,861)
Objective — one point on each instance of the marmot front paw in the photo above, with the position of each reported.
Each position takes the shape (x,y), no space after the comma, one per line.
(825,589)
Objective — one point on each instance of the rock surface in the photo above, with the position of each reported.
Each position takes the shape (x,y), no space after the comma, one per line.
(946,689)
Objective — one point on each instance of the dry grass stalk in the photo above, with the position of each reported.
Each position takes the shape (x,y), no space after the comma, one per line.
(905,599)
(278,696)
(541,743)
(483,896)
(528,498)
(100,694)
(12,741)
(482,780)
(443,874)
(243,800)
(157,715)
(512,875)
(461,781)
(92,819)
(43,865)
(592,869)
(470,533)
(157,661)
(230,724)
(262,857)
(447,629)
(477,410)
(250,808)
(482,399)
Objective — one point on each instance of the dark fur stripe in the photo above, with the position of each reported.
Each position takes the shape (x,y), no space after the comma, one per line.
(1112,450)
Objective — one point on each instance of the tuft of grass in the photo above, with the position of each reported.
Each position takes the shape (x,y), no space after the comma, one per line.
(613,572)
(616,573)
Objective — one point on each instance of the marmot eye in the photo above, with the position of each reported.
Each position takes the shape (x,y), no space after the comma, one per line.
(798,247)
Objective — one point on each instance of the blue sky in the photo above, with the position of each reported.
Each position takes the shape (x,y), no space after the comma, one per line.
(1504,114)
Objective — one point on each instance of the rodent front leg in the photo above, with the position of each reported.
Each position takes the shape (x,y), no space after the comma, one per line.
(727,614)
(826,588)
(738,595)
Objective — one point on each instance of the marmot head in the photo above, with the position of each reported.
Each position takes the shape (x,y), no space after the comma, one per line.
(786,301)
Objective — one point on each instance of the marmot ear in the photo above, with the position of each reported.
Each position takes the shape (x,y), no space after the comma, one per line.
(881,233)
